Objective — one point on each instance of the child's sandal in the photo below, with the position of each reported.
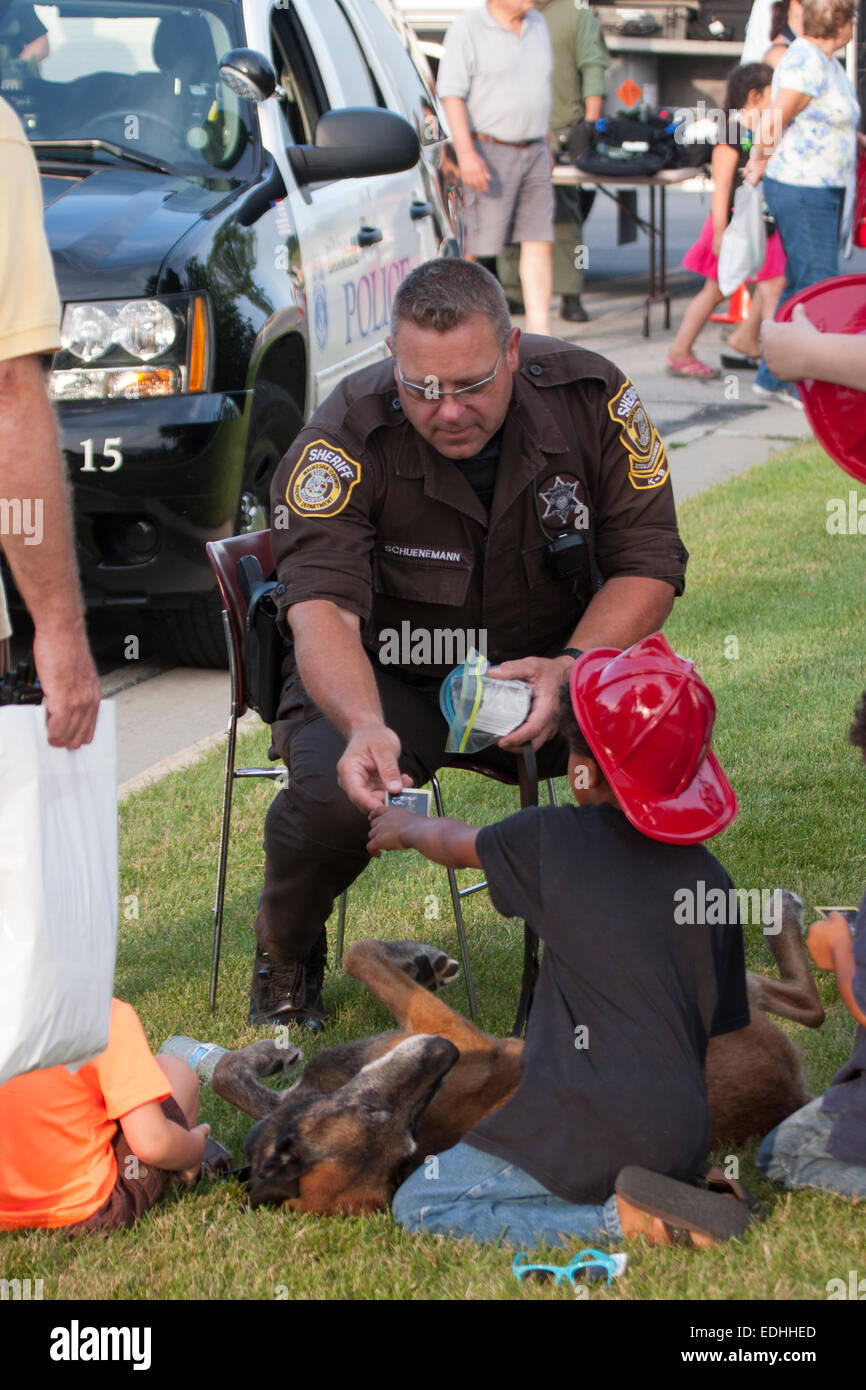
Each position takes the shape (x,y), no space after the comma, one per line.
(713,1179)
(684,1211)
(217,1159)
(691,367)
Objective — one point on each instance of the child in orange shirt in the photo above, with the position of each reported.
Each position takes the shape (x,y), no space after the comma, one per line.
(96,1148)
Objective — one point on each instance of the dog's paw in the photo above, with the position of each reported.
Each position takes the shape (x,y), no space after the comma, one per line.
(271,1056)
(424,964)
(784,913)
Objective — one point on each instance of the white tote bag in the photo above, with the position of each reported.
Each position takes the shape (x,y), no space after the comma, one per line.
(58,892)
(744,244)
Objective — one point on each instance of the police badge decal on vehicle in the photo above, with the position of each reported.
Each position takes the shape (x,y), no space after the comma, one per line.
(647,461)
(322,480)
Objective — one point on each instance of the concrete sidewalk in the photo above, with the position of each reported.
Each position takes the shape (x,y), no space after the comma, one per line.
(166,719)
(712,429)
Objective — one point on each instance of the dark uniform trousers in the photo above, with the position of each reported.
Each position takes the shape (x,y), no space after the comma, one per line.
(315,838)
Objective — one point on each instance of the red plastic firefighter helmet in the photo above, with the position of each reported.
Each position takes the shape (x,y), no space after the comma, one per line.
(837,414)
(648,718)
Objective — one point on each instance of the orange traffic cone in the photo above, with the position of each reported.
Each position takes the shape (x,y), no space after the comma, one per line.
(738,307)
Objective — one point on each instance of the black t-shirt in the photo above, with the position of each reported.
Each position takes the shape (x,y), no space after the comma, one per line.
(627,997)
(846,1097)
(480,470)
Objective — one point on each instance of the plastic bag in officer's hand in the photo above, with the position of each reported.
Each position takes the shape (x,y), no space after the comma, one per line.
(478,709)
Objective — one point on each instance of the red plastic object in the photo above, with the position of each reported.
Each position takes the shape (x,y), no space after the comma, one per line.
(860,205)
(738,307)
(648,717)
(837,414)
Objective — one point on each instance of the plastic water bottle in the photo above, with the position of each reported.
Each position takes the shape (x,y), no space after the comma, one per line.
(202,1057)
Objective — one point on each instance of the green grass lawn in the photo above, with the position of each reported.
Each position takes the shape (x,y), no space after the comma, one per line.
(766,582)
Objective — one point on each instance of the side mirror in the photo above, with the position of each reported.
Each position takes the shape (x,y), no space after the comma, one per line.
(356,142)
(248,73)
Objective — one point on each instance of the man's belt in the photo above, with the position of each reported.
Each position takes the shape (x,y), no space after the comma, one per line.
(513,144)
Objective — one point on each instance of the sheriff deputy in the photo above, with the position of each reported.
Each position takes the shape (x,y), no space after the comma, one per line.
(479,481)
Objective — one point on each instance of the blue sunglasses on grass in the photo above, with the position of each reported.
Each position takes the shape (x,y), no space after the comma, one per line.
(592,1265)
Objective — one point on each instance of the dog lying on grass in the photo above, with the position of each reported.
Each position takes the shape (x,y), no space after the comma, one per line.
(365,1114)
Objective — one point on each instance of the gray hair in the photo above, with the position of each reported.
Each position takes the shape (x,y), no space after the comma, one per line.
(443,294)
(824,18)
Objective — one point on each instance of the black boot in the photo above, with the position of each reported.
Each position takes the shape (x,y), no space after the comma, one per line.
(573,310)
(289,992)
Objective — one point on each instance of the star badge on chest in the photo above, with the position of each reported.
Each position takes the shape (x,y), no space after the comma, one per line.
(561,502)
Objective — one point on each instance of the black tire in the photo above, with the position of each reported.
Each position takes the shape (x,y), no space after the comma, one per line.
(193,635)
(275,421)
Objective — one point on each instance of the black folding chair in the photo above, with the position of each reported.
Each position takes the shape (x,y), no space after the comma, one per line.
(225,557)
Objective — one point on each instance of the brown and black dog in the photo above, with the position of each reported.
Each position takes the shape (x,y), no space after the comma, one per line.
(365,1114)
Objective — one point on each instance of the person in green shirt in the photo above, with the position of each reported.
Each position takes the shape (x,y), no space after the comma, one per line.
(580,61)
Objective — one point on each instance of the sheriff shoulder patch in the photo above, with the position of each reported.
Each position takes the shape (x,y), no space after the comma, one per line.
(322,480)
(647,461)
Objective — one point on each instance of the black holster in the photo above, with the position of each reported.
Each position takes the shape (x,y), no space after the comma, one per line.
(265,647)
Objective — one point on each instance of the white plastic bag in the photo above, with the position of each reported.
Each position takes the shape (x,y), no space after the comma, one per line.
(58,892)
(744,244)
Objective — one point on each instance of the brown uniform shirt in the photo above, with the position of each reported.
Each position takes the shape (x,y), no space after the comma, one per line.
(367,514)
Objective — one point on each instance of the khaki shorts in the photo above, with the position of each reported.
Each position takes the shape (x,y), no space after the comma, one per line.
(138,1187)
(518,204)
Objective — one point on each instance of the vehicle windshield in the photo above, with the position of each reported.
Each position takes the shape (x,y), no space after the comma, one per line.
(140,76)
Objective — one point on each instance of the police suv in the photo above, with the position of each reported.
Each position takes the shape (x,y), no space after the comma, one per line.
(233,191)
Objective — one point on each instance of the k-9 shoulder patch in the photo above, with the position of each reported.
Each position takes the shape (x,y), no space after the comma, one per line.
(322,480)
(647,461)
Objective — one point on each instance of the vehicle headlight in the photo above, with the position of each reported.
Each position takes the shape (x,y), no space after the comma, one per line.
(87,331)
(171,335)
(145,328)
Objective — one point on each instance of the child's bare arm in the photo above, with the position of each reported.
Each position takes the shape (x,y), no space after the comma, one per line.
(161,1143)
(724,167)
(446,841)
(797,350)
(832,948)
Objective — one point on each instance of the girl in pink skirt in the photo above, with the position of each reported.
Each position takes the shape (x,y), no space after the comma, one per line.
(747,95)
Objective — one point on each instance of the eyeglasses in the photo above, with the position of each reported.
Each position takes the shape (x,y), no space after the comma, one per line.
(589,1264)
(429,394)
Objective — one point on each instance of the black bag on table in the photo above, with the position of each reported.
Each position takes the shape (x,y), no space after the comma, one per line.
(634,145)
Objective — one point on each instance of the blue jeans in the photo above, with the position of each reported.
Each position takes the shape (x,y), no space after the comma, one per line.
(795,1153)
(808,223)
(467,1193)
